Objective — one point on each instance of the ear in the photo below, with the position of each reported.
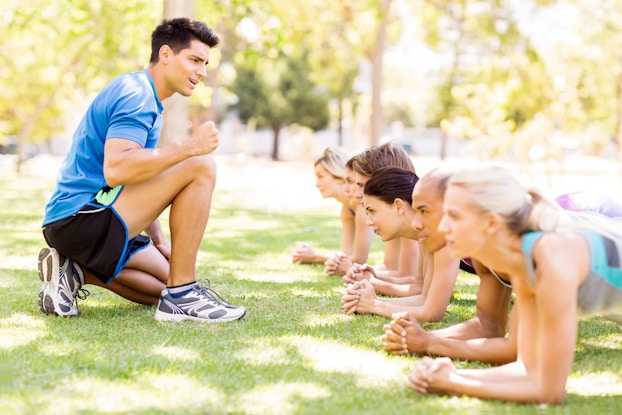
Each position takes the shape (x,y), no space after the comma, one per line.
(398,204)
(494,222)
(165,54)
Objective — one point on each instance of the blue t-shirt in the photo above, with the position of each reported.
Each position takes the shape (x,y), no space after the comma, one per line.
(127,108)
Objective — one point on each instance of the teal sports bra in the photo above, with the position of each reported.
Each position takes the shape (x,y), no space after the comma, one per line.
(601,292)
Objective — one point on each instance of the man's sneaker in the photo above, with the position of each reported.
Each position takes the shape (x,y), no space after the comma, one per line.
(61,284)
(205,285)
(197,305)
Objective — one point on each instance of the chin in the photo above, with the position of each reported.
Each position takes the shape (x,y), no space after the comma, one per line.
(432,248)
(458,253)
(388,238)
(186,93)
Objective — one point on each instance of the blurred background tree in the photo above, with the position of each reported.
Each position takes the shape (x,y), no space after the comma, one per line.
(55,54)
(524,79)
(279,92)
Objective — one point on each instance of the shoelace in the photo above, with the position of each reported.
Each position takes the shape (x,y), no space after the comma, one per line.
(207,290)
(81,294)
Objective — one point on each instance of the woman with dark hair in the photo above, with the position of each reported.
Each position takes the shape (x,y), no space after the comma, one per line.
(388,199)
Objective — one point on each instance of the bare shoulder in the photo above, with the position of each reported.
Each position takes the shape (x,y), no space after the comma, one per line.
(570,241)
(562,254)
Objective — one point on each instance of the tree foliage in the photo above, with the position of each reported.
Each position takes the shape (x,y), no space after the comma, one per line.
(279,92)
(486,90)
(495,82)
(57,54)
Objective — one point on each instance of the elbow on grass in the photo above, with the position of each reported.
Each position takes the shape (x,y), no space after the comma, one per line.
(549,396)
(433,317)
(555,398)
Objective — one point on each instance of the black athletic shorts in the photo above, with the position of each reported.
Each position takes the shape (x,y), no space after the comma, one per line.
(96,238)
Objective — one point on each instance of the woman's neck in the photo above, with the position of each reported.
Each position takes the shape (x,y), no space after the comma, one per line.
(502,254)
(343,199)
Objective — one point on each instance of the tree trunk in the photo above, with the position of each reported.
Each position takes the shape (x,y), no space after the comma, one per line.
(176,123)
(444,139)
(451,81)
(376,61)
(275,147)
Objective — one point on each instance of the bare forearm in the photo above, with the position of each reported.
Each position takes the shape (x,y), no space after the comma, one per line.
(471,329)
(497,350)
(519,388)
(415,306)
(319,258)
(509,371)
(472,340)
(393,277)
(397,290)
(137,165)
(386,308)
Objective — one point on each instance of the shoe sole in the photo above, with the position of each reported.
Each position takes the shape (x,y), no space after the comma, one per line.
(48,262)
(159,316)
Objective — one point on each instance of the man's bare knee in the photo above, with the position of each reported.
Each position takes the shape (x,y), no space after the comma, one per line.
(202,167)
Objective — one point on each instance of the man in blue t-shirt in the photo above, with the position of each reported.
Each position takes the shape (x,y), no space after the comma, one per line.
(114,184)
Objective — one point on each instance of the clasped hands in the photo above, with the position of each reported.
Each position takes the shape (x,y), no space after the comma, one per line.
(303,254)
(338,264)
(359,295)
(431,376)
(404,335)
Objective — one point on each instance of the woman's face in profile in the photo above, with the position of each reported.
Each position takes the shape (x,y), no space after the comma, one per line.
(327,184)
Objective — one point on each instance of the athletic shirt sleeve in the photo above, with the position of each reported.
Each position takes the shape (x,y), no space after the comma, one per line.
(135,115)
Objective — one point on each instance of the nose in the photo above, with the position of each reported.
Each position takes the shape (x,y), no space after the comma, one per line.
(369,221)
(442,225)
(416,224)
(202,72)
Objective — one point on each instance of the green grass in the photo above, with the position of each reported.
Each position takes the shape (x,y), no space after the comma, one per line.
(294,353)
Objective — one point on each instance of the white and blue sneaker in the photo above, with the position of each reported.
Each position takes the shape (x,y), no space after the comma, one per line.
(205,284)
(197,305)
(62,282)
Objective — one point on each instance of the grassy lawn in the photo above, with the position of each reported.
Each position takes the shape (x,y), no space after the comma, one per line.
(294,353)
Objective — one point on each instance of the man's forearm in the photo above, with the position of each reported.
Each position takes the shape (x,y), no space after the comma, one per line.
(472,340)
(496,350)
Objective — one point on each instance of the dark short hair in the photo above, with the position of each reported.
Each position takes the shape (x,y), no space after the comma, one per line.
(178,33)
(390,183)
